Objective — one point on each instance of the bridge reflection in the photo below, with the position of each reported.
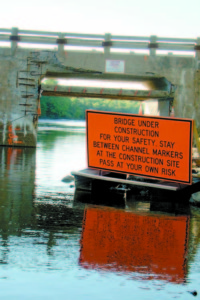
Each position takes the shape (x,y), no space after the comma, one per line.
(17,178)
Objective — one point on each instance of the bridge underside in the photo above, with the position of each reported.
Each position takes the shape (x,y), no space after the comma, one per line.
(153,87)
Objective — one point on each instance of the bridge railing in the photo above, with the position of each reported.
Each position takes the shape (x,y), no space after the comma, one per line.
(108,41)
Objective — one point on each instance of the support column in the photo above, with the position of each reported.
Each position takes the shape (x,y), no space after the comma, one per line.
(14,39)
(197,85)
(61,44)
(107,44)
(153,45)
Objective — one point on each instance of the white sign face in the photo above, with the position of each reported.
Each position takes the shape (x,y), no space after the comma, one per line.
(115,66)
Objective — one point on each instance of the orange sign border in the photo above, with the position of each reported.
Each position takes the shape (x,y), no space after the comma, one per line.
(190,121)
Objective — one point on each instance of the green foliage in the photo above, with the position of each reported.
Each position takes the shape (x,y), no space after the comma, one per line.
(74,108)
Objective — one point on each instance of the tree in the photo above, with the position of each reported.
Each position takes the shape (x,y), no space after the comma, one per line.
(74,108)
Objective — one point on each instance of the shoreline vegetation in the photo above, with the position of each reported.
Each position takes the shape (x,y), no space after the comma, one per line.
(74,108)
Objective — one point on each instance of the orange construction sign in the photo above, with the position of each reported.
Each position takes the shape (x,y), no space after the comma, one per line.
(155,147)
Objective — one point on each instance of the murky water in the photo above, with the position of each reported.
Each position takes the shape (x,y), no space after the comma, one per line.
(54,247)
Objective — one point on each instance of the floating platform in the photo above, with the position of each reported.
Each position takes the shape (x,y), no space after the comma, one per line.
(99,182)
(86,176)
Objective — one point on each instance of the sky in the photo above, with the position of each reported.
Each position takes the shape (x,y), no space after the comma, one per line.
(164,18)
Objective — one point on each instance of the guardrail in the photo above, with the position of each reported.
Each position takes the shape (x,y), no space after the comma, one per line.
(108,41)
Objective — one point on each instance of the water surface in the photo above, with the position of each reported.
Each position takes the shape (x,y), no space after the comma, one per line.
(54,247)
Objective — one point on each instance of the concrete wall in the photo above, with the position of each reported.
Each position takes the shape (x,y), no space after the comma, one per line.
(21,72)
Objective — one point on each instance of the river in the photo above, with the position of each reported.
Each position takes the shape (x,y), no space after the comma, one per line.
(53,247)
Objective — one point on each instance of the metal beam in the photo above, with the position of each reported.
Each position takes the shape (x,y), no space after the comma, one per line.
(109,93)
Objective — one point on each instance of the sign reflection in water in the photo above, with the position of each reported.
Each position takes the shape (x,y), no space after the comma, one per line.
(154,245)
(17,179)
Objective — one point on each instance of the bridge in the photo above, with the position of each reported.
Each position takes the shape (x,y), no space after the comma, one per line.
(168,68)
